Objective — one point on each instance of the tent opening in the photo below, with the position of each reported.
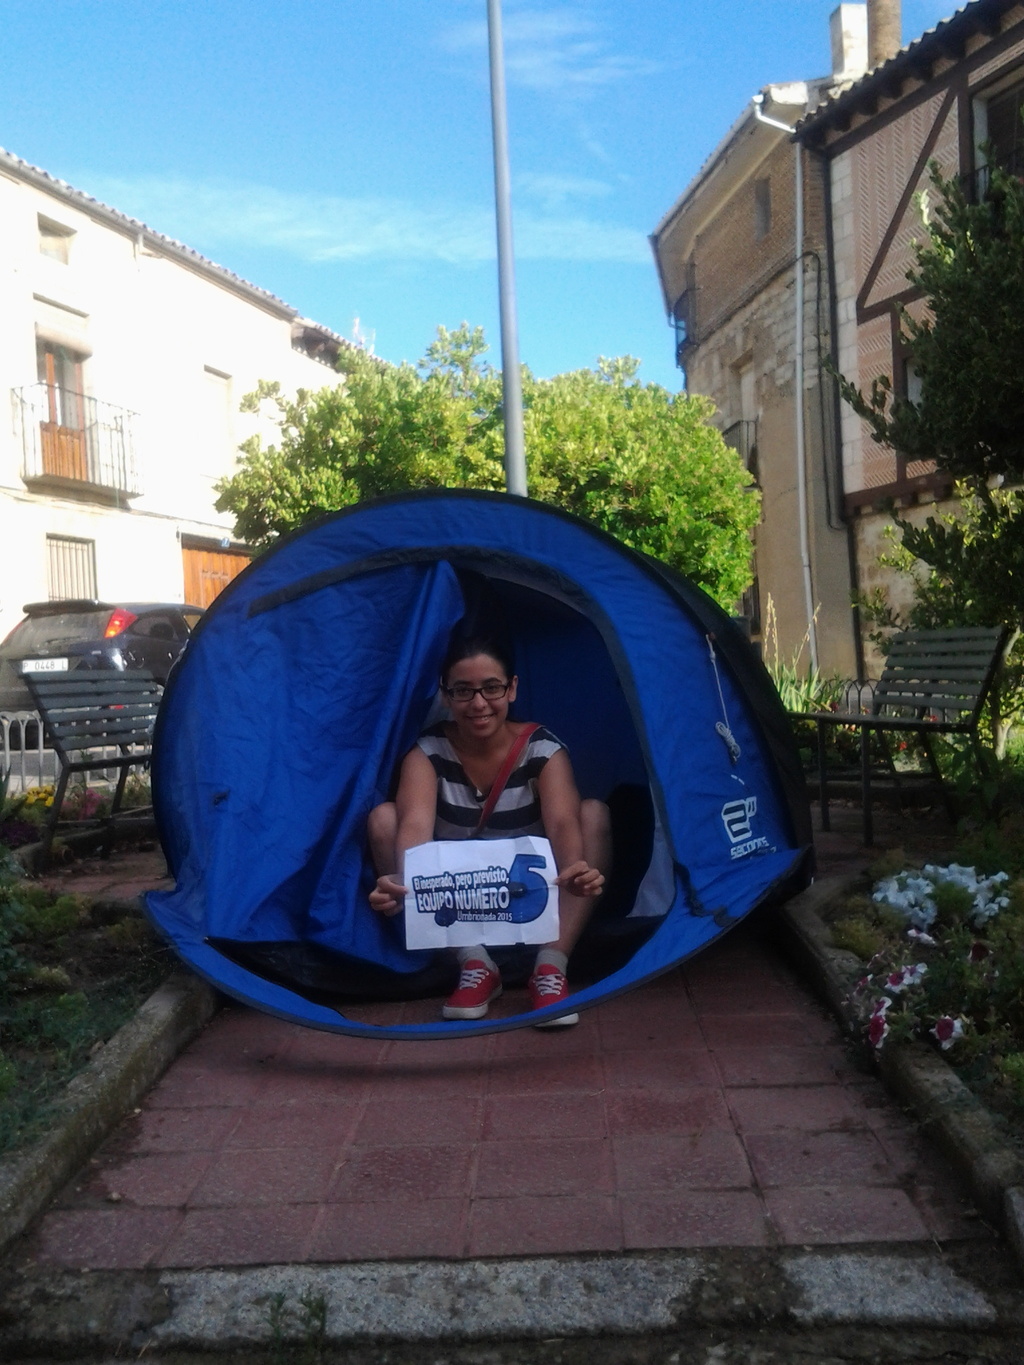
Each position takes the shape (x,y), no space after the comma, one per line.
(569,682)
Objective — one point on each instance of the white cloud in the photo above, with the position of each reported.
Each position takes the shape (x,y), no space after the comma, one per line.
(554,50)
(214,215)
(554,191)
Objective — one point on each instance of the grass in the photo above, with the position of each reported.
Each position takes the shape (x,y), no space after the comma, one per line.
(69,978)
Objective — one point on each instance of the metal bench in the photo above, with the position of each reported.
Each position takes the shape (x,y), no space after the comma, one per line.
(85,715)
(934,682)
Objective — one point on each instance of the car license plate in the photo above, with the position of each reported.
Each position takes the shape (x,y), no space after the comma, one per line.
(44,665)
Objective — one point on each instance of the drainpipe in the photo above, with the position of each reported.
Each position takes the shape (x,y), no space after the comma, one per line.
(801,452)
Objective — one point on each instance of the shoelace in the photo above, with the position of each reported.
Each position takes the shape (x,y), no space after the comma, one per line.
(472,977)
(549,983)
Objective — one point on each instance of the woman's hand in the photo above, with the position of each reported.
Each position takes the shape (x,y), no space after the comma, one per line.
(580,879)
(388,896)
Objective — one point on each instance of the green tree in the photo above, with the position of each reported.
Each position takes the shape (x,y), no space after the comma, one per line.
(634,459)
(967,562)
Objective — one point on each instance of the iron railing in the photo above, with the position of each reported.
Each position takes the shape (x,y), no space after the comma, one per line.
(742,437)
(23,757)
(976,183)
(73,438)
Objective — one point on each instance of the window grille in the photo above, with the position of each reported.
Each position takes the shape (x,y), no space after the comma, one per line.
(70,568)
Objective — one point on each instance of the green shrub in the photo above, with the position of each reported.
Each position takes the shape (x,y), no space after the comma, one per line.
(49,979)
(132,932)
(858,935)
(46,921)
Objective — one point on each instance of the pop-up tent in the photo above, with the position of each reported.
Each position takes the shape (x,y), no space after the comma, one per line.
(313,673)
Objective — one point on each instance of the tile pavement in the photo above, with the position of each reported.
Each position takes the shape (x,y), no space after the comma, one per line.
(714,1107)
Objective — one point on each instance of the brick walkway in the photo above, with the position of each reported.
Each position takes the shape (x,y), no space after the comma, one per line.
(715,1107)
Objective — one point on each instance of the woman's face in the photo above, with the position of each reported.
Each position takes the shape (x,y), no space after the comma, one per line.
(479,716)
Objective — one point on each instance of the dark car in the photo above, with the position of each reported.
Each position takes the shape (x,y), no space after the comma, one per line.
(60,637)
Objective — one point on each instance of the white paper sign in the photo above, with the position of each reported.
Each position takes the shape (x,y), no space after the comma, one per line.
(488,891)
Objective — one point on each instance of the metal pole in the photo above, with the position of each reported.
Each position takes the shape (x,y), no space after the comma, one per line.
(512,387)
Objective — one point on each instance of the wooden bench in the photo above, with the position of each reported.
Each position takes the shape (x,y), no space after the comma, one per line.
(934,682)
(85,715)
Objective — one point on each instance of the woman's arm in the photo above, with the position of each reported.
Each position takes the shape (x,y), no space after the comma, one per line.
(560,814)
(416,809)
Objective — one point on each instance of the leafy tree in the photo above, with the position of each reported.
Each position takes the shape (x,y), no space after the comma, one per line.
(968,562)
(636,460)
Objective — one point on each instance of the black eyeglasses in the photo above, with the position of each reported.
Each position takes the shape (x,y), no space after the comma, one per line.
(491,691)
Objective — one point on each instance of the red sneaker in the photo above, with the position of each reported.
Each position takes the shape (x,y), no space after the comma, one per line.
(478,986)
(548,986)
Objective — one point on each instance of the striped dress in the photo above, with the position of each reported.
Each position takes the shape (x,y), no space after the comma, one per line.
(459,803)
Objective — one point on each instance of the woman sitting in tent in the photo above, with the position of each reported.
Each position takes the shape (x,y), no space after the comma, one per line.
(481,775)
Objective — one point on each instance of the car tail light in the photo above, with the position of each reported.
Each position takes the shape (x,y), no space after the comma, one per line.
(120,619)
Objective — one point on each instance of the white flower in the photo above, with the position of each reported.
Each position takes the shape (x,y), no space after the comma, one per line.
(913,896)
(920,937)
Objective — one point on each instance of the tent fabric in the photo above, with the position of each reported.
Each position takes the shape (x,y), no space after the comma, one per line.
(314,671)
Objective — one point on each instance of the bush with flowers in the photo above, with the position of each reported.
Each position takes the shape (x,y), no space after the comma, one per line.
(944,947)
(22,816)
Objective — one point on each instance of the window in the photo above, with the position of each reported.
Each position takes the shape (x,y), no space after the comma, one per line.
(998,133)
(762,209)
(54,240)
(62,429)
(70,568)
(911,380)
(684,319)
(1004,130)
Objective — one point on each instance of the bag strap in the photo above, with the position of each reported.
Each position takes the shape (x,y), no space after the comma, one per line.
(500,782)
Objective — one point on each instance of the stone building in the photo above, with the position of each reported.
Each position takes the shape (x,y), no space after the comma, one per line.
(743,268)
(726,253)
(124,356)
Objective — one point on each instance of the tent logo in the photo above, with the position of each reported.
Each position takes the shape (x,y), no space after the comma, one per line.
(736,816)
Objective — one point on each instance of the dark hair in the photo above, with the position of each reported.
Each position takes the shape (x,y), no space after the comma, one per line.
(468,646)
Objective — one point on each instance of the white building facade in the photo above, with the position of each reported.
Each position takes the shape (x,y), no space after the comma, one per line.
(123,358)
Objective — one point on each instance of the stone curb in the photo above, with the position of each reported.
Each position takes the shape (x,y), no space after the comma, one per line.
(962,1300)
(951,1115)
(99,1097)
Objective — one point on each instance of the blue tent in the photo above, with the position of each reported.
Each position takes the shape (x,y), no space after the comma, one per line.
(313,673)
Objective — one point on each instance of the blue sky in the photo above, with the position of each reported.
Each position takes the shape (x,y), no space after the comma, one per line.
(339,153)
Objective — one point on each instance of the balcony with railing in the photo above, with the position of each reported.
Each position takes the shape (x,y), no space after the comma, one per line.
(72,442)
(742,437)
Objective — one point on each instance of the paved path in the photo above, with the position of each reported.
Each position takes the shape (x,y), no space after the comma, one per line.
(714,1107)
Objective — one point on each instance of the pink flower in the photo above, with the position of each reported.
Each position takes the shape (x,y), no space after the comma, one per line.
(905,976)
(947,1030)
(877,1030)
(979,951)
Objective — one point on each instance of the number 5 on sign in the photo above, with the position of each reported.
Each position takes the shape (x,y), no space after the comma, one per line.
(489,891)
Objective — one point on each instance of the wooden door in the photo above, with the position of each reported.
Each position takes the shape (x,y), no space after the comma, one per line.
(208,572)
(63,434)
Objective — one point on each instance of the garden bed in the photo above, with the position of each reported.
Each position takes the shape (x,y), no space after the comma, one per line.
(935,952)
(71,974)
